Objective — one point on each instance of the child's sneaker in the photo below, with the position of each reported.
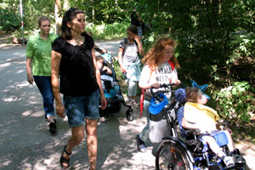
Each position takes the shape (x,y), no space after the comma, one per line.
(140,144)
(135,104)
(128,102)
(228,160)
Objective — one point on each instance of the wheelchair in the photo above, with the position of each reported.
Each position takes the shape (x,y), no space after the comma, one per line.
(185,149)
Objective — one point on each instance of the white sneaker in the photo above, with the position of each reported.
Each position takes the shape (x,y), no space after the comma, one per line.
(228,160)
(129,102)
(135,104)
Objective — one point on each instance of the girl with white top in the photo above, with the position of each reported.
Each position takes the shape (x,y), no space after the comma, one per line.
(160,68)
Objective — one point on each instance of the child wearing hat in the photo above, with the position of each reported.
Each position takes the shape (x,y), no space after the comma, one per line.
(203,119)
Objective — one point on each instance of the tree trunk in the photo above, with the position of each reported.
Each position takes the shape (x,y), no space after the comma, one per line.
(66,5)
(58,17)
(93,10)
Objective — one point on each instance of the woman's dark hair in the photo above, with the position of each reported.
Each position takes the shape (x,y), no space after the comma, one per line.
(68,17)
(133,29)
(42,18)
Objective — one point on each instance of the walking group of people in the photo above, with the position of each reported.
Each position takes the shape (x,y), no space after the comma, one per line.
(71,58)
(67,65)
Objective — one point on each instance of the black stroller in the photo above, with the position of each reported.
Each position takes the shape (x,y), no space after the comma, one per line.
(113,93)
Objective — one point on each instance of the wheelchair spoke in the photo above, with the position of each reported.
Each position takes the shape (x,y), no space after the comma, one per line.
(171,157)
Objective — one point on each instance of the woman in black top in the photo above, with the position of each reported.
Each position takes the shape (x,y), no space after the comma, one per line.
(137,21)
(73,59)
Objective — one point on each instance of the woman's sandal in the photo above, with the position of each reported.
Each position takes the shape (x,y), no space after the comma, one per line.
(63,160)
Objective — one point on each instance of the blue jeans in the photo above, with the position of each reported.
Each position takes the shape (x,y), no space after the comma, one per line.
(44,85)
(144,135)
(79,108)
(132,88)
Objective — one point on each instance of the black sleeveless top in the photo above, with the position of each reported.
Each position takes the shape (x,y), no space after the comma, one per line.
(77,72)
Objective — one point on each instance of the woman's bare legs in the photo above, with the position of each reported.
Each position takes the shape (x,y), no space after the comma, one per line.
(76,138)
(91,130)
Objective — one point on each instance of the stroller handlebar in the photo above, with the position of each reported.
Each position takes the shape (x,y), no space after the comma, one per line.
(165,90)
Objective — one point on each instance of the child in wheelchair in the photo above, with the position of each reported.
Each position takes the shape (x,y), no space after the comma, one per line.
(203,119)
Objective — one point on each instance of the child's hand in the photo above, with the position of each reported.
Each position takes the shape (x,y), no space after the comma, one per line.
(136,38)
(123,70)
(176,82)
(103,51)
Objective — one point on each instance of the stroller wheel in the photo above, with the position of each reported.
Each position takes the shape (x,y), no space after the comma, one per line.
(129,114)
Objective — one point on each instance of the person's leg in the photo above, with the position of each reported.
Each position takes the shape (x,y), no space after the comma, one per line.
(44,85)
(228,160)
(214,146)
(91,131)
(91,115)
(76,138)
(74,107)
(132,90)
(144,135)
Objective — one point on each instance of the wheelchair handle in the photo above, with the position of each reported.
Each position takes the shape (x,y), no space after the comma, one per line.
(154,94)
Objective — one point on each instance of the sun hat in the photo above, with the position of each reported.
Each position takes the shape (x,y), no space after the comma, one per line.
(201,87)
(157,106)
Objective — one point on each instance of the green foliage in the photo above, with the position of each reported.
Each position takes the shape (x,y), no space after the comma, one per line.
(215,45)
(33,11)
(9,21)
(242,57)
(106,11)
(233,101)
(117,69)
(108,31)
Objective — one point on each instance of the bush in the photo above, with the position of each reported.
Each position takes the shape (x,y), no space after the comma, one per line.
(9,22)
(235,102)
(108,31)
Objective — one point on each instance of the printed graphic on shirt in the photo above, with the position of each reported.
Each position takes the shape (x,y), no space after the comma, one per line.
(163,74)
(130,55)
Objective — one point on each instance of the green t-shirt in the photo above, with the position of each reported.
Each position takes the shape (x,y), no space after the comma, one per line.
(40,51)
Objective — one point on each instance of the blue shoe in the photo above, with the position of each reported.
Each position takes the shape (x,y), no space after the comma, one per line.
(140,144)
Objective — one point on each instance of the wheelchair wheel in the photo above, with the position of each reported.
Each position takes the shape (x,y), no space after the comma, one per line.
(171,156)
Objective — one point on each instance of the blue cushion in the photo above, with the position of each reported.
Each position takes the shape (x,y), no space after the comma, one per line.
(109,93)
(221,138)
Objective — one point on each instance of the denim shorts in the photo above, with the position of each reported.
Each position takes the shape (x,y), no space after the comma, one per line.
(79,108)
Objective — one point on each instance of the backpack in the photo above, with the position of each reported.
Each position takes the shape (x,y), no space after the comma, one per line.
(125,45)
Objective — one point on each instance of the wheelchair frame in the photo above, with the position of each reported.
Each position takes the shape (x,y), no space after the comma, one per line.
(173,147)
